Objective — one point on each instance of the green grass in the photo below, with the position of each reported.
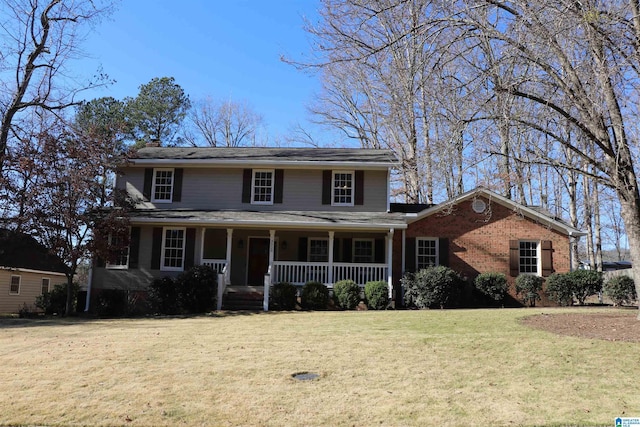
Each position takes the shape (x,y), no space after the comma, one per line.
(441,368)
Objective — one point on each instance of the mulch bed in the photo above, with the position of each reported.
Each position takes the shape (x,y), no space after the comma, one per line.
(621,325)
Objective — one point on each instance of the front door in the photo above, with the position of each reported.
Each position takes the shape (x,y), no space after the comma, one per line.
(258,260)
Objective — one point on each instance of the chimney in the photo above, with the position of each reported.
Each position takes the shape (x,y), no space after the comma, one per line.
(153,143)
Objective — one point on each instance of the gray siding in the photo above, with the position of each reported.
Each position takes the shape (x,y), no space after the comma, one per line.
(207,188)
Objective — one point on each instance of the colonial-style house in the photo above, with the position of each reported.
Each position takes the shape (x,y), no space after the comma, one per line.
(269,215)
(27,270)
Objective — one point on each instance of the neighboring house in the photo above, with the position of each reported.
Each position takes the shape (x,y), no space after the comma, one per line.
(481,231)
(27,270)
(302,214)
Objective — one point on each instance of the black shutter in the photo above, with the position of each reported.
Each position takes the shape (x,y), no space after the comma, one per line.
(336,250)
(547,260)
(443,251)
(346,250)
(246,186)
(302,249)
(278,184)
(410,254)
(177,185)
(156,248)
(190,248)
(514,258)
(146,189)
(359,188)
(326,187)
(379,251)
(134,247)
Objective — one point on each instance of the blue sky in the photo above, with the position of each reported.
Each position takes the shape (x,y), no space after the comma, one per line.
(223,49)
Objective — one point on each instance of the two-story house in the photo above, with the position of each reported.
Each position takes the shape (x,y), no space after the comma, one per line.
(298,214)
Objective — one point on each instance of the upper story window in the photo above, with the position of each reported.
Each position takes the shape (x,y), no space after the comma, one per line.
(426,252)
(318,250)
(342,188)
(162,188)
(363,250)
(173,249)
(262,188)
(45,285)
(529,257)
(15,285)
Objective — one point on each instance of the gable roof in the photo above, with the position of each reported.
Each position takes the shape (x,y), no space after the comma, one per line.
(19,250)
(533,213)
(340,157)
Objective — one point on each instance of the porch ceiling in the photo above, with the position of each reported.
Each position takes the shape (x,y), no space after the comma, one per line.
(276,219)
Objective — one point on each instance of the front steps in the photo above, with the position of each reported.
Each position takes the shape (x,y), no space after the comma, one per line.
(243,298)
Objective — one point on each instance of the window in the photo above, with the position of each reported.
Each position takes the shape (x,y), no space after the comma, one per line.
(121,252)
(426,253)
(342,194)
(529,257)
(173,249)
(45,285)
(318,250)
(262,188)
(15,285)
(162,189)
(362,250)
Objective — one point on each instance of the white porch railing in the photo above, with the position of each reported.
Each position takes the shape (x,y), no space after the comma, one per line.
(299,273)
(217,265)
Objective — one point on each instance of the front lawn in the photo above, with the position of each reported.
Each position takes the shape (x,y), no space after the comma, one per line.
(433,367)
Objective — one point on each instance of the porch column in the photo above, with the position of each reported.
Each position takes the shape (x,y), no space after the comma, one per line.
(330,272)
(229,248)
(272,240)
(390,262)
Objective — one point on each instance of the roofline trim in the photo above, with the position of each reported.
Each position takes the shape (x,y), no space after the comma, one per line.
(230,162)
(30,270)
(273,224)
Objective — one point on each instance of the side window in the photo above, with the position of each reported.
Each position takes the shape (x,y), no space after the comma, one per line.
(342,188)
(262,187)
(173,249)
(529,259)
(426,252)
(162,185)
(318,250)
(121,258)
(363,250)
(14,288)
(45,285)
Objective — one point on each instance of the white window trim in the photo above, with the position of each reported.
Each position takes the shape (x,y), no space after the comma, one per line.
(373,251)
(162,251)
(432,239)
(333,187)
(153,185)
(48,284)
(326,239)
(110,266)
(253,186)
(538,256)
(19,284)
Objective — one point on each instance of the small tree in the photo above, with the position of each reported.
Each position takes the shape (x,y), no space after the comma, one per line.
(585,283)
(197,289)
(315,296)
(283,296)
(433,286)
(164,296)
(55,301)
(560,289)
(347,294)
(493,285)
(621,289)
(377,295)
(528,287)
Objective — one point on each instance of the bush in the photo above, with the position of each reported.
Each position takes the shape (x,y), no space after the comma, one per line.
(347,294)
(560,289)
(283,296)
(493,285)
(315,296)
(528,287)
(621,289)
(55,301)
(197,289)
(585,283)
(111,303)
(377,295)
(164,296)
(437,286)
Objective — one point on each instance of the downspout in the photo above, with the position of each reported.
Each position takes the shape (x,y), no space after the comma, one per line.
(90,281)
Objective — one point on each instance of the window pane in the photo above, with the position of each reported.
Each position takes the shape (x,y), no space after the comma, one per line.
(318,250)
(163,185)
(15,285)
(362,251)
(45,285)
(121,252)
(529,257)
(342,188)
(427,253)
(262,186)
(173,248)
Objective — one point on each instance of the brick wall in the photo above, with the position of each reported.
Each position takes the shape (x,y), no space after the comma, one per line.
(479,243)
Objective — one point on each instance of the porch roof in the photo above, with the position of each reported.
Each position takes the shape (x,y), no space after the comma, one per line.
(275,219)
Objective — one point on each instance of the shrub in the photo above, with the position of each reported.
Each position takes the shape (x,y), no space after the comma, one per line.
(585,283)
(377,295)
(55,301)
(347,294)
(560,289)
(283,296)
(164,296)
(433,286)
(621,289)
(493,285)
(315,296)
(528,287)
(112,302)
(197,289)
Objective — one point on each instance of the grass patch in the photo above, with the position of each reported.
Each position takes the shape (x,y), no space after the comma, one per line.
(459,367)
